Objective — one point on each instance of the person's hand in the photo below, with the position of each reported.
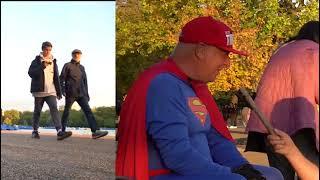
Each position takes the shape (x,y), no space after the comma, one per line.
(45,64)
(282,143)
(248,172)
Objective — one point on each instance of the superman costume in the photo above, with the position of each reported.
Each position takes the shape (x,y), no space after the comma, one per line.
(171,128)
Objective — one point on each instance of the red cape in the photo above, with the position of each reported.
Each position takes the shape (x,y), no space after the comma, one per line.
(132,151)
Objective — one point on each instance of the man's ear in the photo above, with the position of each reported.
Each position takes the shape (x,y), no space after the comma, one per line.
(200,51)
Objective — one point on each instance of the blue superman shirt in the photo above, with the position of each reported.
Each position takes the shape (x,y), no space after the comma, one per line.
(180,135)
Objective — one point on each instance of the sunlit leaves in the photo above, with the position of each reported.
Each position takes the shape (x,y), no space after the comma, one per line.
(148,30)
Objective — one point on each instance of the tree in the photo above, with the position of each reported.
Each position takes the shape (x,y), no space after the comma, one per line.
(45,119)
(105,116)
(2,119)
(26,118)
(77,119)
(147,31)
(11,117)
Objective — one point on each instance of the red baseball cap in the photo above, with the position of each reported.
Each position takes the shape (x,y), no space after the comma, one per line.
(209,31)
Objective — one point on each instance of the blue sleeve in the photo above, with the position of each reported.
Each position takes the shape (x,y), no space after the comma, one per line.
(166,125)
(224,151)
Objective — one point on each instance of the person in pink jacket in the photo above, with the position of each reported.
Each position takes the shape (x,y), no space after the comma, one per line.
(288,95)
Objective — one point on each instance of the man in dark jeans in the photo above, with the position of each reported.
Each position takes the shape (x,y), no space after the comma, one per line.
(75,88)
(45,87)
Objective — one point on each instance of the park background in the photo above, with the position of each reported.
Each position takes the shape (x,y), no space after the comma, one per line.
(137,33)
(147,31)
(88,26)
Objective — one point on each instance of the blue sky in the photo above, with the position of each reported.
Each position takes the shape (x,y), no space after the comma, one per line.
(88,26)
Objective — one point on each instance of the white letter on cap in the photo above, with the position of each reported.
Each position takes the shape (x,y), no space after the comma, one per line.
(229,37)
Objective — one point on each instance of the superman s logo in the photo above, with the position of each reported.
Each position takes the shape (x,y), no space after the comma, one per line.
(198,109)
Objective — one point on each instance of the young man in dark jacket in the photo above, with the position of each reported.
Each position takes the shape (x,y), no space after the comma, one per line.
(75,88)
(45,87)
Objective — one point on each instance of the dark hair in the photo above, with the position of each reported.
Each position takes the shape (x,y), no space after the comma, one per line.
(46,44)
(309,30)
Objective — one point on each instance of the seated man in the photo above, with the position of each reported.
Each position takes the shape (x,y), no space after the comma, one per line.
(170,125)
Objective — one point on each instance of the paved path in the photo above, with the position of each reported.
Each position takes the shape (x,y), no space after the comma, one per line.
(253,157)
(77,157)
(73,158)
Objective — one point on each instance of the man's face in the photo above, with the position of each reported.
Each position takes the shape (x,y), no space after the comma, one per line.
(76,56)
(211,61)
(46,51)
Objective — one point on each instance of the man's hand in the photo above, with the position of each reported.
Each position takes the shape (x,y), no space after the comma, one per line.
(248,172)
(45,64)
(282,143)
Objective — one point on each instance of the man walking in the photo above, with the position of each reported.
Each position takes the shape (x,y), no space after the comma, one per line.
(75,88)
(45,87)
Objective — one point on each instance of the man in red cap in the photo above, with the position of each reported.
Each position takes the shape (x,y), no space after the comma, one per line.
(171,127)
